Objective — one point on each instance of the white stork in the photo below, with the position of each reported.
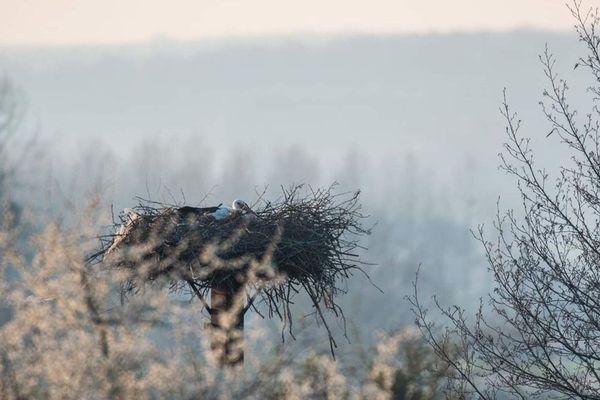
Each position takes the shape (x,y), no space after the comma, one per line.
(237,207)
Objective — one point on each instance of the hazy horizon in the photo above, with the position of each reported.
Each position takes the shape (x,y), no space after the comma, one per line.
(293,93)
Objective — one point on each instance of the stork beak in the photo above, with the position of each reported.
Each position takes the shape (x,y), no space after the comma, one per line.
(247,208)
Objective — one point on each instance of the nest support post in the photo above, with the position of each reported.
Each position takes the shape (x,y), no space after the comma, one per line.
(227,322)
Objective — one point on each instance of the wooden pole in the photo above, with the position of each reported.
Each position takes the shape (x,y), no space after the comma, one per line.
(227,322)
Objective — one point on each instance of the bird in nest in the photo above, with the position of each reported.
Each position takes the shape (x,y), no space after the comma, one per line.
(238,207)
(219,213)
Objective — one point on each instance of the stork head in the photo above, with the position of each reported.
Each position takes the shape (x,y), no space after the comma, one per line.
(241,206)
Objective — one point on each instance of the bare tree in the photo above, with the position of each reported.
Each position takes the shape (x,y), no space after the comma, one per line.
(539,335)
(12,153)
(10,115)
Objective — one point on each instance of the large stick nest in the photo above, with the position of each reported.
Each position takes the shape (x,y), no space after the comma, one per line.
(307,240)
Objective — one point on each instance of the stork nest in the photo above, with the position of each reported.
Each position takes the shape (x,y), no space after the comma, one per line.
(307,240)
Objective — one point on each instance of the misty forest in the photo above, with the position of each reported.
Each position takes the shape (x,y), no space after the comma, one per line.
(323,217)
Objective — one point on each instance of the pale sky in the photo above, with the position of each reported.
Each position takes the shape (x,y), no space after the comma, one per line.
(126,21)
